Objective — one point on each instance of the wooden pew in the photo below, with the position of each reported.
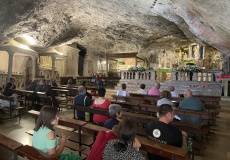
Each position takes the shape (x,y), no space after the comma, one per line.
(150,146)
(144,119)
(29,97)
(163,150)
(11,108)
(133,100)
(10,144)
(31,153)
(152,97)
(204,115)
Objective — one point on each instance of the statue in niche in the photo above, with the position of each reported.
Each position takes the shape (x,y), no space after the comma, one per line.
(197,52)
(185,55)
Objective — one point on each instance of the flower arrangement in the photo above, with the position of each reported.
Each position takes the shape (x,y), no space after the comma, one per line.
(137,69)
(189,69)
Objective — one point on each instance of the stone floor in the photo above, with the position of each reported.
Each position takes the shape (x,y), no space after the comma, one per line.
(217,146)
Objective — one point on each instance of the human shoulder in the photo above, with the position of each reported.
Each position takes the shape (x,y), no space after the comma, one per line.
(50,135)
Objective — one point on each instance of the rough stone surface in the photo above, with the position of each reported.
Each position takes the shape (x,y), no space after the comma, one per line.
(110,26)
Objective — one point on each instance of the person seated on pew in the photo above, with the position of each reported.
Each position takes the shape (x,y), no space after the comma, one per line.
(69,83)
(49,93)
(165,98)
(155,90)
(32,85)
(191,103)
(142,90)
(13,86)
(10,93)
(44,137)
(102,138)
(82,100)
(53,82)
(40,85)
(173,92)
(101,103)
(87,93)
(163,132)
(115,111)
(123,91)
(124,147)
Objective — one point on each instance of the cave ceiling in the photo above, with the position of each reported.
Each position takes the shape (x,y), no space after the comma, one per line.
(114,26)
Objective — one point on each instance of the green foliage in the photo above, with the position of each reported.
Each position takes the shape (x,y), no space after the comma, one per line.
(189,68)
(164,70)
(138,69)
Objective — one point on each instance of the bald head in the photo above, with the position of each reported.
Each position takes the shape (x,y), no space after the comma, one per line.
(187,93)
(158,85)
(171,88)
(81,89)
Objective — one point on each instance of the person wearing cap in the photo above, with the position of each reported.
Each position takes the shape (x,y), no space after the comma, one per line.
(115,111)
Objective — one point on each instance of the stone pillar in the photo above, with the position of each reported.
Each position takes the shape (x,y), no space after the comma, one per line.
(195,76)
(76,66)
(34,69)
(53,66)
(153,75)
(64,67)
(122,75)
(207,76)
(10,65)
(136,61)
(136,75)
(173,75)
(201,76)
(107,66)
(85,67)
(179,76)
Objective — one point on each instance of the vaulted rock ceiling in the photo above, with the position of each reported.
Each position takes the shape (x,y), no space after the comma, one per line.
(108,26)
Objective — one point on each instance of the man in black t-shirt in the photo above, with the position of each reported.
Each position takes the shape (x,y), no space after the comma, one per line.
(163,132)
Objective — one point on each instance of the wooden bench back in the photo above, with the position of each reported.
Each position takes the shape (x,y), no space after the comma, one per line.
(9,143)
(31,153)
(150,146)
(133,100)
(152,97)
(163,150)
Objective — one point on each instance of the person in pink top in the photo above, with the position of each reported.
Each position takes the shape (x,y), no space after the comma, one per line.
(101,103)
(155,90)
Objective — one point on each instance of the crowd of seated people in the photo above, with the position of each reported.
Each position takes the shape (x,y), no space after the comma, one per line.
(9,92)
(121,142)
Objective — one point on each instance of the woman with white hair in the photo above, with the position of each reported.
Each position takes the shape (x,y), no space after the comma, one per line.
(115,111)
